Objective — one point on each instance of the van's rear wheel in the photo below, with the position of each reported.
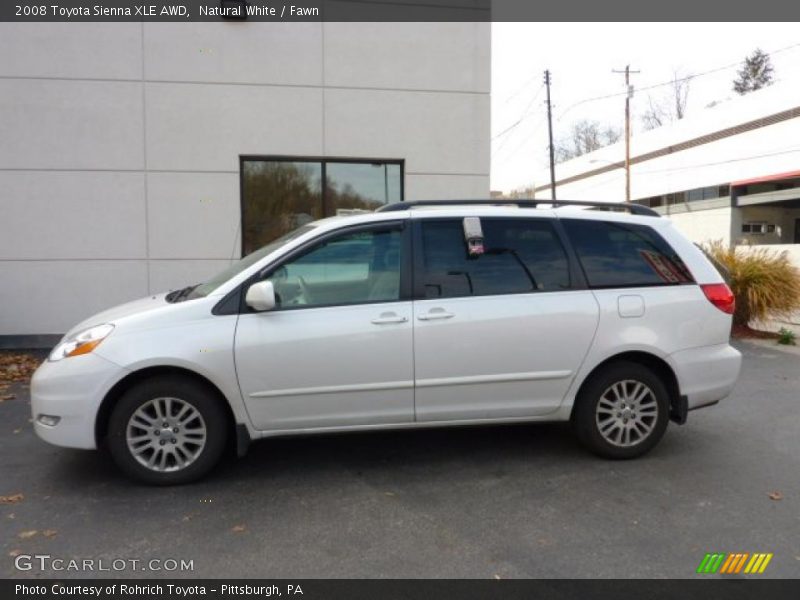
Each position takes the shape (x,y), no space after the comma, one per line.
(167,430)
(622,411)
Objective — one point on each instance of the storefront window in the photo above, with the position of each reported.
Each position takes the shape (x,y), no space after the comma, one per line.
(281,194)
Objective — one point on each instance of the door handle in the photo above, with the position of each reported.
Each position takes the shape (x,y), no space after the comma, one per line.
(436,314)
(388,317)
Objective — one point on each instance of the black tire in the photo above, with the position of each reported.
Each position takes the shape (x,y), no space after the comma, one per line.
(587,420)
(212,418)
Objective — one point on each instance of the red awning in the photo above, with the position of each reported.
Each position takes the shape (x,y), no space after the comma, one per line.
(765,178)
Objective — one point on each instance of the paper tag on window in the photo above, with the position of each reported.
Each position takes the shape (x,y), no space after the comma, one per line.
(473,235)
(475,247)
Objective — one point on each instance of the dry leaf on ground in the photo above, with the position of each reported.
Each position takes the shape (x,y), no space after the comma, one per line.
(12,499)
(17,367)
(775,496)
(238,528)
(27,534)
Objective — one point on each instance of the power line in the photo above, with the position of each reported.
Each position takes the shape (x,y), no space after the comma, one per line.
(521,89)
(522,117)
(670,82)
(536,129)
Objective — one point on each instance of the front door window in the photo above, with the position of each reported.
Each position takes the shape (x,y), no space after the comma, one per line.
(355,268)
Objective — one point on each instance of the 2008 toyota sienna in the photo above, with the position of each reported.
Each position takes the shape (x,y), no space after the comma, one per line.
(421,314)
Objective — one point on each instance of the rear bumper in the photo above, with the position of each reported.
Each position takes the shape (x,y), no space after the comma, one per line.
(706,375)
(72,390)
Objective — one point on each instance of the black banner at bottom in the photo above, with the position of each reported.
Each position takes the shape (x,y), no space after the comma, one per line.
(388,589)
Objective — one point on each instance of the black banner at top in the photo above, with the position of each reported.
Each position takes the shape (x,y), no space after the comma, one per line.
(392,10)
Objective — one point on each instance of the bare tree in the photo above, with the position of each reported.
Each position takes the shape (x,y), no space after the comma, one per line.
(680,95)
(521,193)
(611,135)
(585,136)
(654,117)
(671,107)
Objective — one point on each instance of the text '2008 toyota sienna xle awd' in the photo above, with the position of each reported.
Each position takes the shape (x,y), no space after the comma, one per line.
(420,314)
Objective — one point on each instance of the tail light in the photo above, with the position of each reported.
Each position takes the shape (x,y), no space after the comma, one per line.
(721,296)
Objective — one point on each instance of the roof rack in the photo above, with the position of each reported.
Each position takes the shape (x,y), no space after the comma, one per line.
(634,209)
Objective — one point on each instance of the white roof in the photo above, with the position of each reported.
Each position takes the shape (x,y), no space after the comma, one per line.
(728,113)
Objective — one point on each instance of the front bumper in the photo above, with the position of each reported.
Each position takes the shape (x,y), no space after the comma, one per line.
(72,389)
(706,375)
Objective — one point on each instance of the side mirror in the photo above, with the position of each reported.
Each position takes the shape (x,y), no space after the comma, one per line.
(261,296)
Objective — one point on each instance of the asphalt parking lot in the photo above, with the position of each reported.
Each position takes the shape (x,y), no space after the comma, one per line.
(514,501)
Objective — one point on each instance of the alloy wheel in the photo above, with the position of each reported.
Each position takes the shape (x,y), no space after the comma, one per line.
(166,434)
(626,413)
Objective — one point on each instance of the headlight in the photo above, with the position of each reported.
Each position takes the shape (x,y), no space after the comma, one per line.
(82,342)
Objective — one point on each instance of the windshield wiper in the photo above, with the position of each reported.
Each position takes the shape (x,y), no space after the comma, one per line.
(179,295)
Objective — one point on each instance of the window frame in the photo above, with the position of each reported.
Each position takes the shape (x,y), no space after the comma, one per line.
(761,225)
(323,161)
(576,276)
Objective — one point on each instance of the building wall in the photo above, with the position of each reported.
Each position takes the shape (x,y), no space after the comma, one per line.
(782,218)
(708,225)
(121,142)
(703,222)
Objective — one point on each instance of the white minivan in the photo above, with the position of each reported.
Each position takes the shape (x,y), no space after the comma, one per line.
(421,314)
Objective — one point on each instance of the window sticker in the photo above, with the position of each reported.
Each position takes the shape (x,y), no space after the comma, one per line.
(662,266)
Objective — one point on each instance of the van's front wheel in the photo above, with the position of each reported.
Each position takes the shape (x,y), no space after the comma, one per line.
(622,411)
(167,431)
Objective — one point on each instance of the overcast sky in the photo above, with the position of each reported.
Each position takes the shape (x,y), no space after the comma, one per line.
(581,56)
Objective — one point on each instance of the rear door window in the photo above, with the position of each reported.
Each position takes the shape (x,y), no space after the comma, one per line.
(521,256)
(625,255)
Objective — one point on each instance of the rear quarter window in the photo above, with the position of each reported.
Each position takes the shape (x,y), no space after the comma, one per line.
(616,254)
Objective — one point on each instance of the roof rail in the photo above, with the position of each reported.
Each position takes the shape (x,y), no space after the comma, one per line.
(634,209)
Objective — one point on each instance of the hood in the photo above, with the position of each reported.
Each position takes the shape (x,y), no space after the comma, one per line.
(123,310)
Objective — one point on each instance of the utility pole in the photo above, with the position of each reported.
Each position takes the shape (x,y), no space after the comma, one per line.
(550,135)
(628,96)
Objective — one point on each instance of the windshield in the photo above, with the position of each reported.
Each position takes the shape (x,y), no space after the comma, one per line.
(204,289)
